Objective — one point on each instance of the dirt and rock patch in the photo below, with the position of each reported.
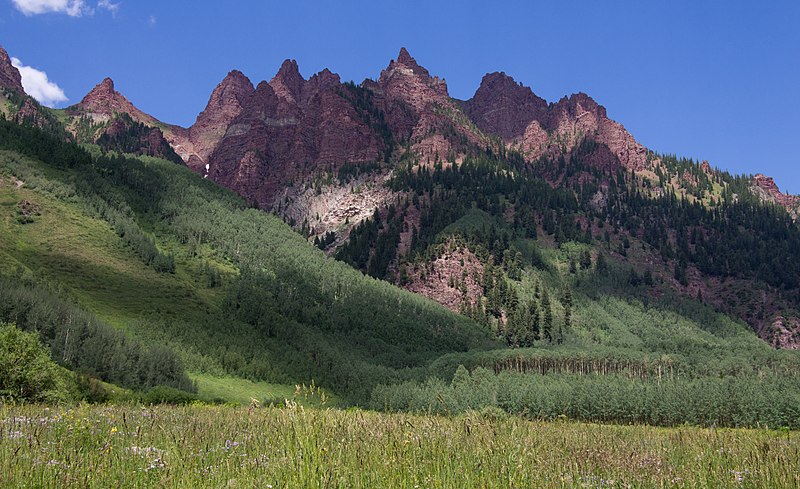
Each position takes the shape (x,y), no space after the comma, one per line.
(27,211)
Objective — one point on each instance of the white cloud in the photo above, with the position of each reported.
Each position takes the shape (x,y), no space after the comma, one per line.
(73,8)
(37,85)
(108,5)
(152,21)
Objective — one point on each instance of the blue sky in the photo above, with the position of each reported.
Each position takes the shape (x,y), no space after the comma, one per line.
(715,80)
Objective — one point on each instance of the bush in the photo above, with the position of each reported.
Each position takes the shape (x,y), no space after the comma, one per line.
(168,395)
(26,371)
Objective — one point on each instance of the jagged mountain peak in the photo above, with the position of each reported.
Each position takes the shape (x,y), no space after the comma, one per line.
(289,69)
(503,107)
(404,56)
(405,60)
(105,86)
(288,82)
(325,77)
(765,187)
(236,77)
(104,100)
(234,88)
(578,100)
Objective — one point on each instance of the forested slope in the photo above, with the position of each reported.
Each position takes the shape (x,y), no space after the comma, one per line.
(192,279)
(173,259)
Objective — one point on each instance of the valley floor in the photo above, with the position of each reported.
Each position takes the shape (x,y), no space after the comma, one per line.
(293,447)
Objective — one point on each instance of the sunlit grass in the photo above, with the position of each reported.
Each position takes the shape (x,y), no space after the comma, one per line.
(243,391)
(201,446)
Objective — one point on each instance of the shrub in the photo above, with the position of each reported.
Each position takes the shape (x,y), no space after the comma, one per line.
(26,371)
(168,395)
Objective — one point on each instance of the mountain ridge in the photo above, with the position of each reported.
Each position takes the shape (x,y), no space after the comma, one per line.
(500,107)
(329,158)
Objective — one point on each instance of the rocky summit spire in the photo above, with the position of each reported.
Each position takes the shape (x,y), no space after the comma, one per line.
(504,107)
(232,90)
(9,76)
(102,94)
(405,59)
(288,82)
(104,101)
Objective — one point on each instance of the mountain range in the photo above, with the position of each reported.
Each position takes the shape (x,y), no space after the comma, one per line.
(363,169)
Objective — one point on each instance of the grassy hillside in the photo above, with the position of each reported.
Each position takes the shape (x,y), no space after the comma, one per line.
(174,260)
(251,308)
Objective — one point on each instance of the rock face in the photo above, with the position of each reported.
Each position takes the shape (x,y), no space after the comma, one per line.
(452,279)
(25,109)
(10,78)
(119,125)
(419,109)
(287,131)
(512,111)
(767,190)
(226,103)
(784,333)
(260,140)
(505,108)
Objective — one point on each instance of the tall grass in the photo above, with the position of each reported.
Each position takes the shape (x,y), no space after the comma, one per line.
(202,446)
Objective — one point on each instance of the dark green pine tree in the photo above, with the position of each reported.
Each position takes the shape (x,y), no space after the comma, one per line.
(566,300)
(586,260)
(600,265)
(547,317)
(535,326)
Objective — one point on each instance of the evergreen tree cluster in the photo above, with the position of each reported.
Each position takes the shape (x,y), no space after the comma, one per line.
(735,402)
(80,342)
(137,138)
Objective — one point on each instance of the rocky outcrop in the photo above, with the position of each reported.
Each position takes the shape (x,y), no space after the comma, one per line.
(116,120)
(18,106)
(419,109)
(326,208)
(579,116)
(288,86)
(513,112)
(766,189)
(504,107)
(452,279)
(227,101)
(10,79)
(289,129)
(784,333)
(103,102)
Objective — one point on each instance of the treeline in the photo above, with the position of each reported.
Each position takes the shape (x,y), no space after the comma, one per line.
(628,363)
(32,141)
(96,195)
(719,225)
(79,341)
(292,315)
(747,401)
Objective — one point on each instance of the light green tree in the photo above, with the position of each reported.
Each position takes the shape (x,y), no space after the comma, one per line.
(26,371)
